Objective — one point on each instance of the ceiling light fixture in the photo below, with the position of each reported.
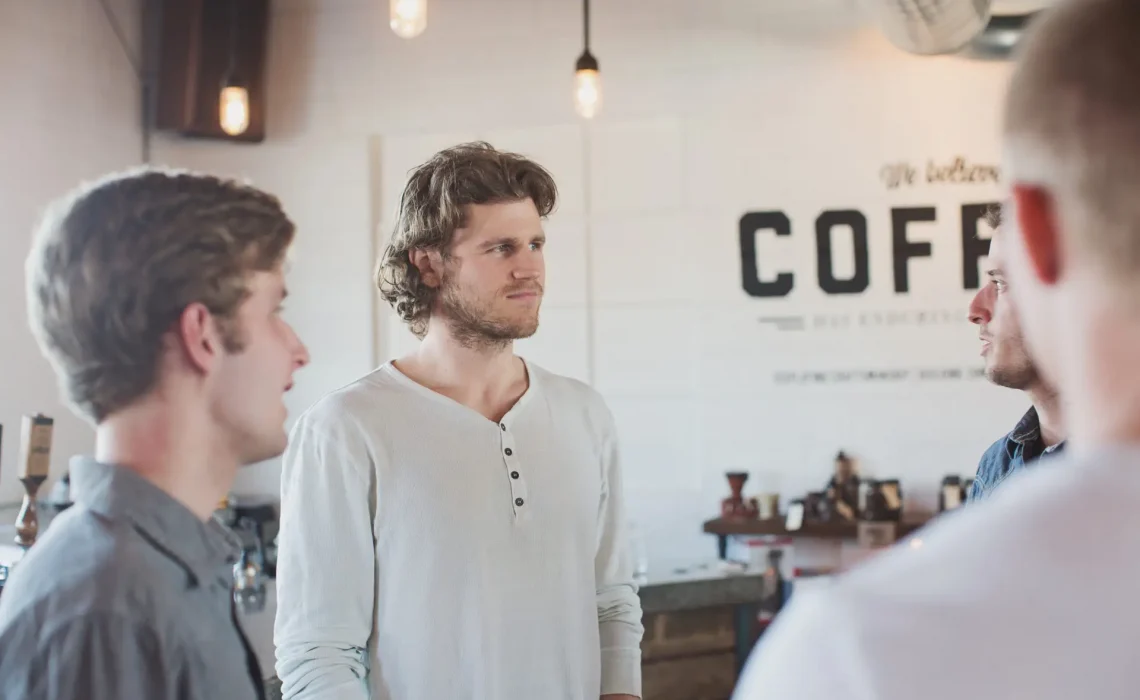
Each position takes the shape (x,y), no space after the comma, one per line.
(233,100)
(408,18)
(587,79)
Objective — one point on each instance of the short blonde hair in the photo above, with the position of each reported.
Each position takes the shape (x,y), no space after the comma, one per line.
(115,262)
(434,204)
(1072,124)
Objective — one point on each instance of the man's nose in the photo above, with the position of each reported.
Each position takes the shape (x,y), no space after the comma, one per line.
(528,268)
(300,351)
(981,306)
(303,357)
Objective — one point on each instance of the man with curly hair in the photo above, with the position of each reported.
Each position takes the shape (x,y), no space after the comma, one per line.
(452,523)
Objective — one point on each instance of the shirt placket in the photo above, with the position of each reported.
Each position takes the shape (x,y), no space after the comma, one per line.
(516,475)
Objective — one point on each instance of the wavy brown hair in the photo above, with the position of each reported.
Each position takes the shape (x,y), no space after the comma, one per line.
(434,204)
(116,262)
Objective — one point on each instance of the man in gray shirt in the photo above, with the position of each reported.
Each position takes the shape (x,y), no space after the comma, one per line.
(156,296)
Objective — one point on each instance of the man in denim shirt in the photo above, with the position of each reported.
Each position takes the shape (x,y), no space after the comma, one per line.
(1041,430)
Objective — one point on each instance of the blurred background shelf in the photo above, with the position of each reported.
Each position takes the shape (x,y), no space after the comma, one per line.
(724,527)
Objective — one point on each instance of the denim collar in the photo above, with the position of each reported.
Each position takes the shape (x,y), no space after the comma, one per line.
(1028,429)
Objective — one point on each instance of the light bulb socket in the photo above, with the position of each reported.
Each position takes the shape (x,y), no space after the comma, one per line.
(586,62)
(231,80)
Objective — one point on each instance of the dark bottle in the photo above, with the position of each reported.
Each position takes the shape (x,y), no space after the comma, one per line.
(875,509)
(892,494)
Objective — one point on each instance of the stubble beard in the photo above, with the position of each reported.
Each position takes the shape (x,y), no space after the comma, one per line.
(1018,374)
(474,326)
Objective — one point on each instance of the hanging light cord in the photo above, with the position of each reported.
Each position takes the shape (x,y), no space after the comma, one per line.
(233,41)
(586,25)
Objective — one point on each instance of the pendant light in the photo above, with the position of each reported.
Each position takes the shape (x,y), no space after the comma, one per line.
(408,18)
(587,79)
(233,108)
(233,101)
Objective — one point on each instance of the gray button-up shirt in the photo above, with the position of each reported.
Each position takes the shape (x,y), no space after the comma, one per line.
(126,596)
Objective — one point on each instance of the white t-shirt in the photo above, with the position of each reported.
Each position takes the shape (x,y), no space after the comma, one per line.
(1031,593)
(449,557)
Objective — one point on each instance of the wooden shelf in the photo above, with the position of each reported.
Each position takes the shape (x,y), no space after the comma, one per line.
(775,526)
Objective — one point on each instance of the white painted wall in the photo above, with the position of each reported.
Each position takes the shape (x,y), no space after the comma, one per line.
(70,112)
(711,109)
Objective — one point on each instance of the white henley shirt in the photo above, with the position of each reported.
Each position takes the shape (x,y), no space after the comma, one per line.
(427,553)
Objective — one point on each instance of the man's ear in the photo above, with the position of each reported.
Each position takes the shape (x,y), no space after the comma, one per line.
(198,337)
(1038,228)
(429,263)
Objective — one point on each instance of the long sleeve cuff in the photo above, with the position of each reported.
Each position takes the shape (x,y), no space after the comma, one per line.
(621,671)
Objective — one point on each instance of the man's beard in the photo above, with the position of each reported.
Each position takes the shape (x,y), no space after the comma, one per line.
(473,324)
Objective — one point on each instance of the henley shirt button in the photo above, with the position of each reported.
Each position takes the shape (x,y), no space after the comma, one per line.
(518,501)
(503,426)
(514,475)
(508,452)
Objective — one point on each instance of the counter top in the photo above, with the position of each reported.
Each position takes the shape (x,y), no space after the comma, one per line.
(703,585)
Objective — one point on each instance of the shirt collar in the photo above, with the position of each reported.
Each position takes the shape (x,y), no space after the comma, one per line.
(203,549)
(1028,429)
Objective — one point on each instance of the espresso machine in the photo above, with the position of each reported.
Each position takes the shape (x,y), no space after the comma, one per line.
(254,519)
